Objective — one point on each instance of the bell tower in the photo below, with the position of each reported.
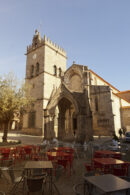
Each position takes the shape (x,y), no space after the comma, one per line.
(45,63)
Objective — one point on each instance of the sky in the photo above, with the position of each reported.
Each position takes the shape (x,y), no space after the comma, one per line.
(95,33)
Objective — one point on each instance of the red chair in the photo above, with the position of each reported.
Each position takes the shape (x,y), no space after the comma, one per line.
(69,159)
(36,153)
(89,167)
(96,155)
(120,170)
(50,157)
(20,155)
(5,153)
(63,162)
(28,151)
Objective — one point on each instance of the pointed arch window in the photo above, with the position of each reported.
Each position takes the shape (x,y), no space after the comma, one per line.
(32,71)
(55,70)
(60,71)
(37,68)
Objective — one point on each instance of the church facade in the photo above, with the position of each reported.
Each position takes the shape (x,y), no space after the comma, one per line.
(70,104)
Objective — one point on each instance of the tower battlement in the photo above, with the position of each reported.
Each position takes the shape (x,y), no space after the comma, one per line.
(38,42)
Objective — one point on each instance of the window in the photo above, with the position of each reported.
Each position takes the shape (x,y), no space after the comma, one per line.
(60,72)
(55,70)
(32,71)
(96,103)
(37,68)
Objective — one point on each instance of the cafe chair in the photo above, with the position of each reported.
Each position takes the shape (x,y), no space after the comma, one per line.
(5,164)
(5,153)
(89,167)
(126,179)
(35,184)
(2,193)
(57,171)
(121,171)
(11,179)
(80,189)
(28,151)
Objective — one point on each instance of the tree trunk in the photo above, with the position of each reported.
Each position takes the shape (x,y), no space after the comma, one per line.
(5,133)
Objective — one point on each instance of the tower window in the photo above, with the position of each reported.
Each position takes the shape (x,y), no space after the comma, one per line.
(60,71)
(32,71)
(55,70)
(37,68)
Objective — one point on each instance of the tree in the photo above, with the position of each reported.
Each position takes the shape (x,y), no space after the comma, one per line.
(13,98)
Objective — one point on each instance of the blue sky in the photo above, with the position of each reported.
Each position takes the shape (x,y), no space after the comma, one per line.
(95,33)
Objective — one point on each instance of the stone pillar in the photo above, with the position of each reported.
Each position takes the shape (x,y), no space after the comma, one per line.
(52,133)
(80,134)
(61,127)
(46,127)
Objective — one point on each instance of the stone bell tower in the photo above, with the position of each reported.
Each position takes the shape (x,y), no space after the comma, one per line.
(45,63)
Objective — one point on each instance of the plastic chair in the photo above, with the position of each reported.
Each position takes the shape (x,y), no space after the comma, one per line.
(9,176)
(20,154)
(28,151)
(2,193)
(127,179)
(119,171)
(5,153)
(89,167)
(35,184)
(80,189)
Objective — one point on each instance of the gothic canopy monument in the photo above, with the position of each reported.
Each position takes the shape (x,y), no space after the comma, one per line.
(73,103)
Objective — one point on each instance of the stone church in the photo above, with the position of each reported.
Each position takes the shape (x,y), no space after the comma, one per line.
(70,104)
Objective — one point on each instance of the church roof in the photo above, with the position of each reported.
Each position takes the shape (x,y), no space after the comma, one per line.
(124,98)
(125,107)
(125,95)
(127,91)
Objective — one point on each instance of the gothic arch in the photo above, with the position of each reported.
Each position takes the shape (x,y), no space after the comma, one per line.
(62,93)
(73,79)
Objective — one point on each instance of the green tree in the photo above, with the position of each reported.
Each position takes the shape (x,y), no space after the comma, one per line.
(14,97)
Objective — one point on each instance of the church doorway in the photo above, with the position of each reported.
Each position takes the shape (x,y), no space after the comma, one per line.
(66,120)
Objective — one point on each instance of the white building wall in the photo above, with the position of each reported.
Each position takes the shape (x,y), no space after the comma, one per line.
(116,111)
(124,103)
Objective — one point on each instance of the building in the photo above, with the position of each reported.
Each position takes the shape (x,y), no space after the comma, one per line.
(73,103)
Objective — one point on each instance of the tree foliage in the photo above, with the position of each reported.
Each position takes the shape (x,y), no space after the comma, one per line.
(14,97)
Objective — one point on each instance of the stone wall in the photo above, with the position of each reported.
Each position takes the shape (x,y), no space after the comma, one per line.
(101,106)
(125,113)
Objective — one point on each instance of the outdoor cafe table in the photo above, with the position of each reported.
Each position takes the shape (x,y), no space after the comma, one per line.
(107,184)
(38,165)
(57,155)
(108,162)
(65,149)
(108,153)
